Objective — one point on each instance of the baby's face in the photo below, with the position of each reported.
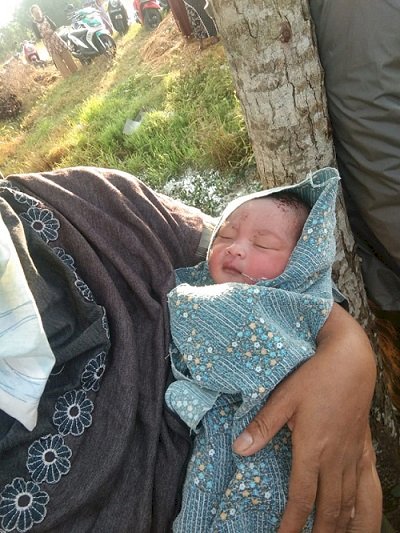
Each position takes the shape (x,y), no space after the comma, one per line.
(255,242)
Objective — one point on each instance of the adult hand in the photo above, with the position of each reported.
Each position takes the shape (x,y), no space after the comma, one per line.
(326,405)
(368,508)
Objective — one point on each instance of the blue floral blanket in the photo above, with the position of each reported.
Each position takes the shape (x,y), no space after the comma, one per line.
(232,345)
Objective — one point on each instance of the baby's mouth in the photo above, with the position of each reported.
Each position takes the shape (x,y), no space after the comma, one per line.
(229,269)
(249,277)
(236,272)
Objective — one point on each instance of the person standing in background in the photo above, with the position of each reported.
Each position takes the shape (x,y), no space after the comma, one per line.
(203,25)
(105,17)
(44,28)
(181,17)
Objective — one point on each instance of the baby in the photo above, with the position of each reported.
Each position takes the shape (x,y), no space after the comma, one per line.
(257,239)
(241,322)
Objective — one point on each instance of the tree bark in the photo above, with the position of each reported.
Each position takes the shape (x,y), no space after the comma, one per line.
(279,82)
(273,55)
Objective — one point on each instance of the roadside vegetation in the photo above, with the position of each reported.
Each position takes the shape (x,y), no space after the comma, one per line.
(192,133)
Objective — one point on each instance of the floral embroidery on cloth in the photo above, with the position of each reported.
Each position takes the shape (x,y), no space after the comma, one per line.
(73,413)
(43,222)
(22,505)
(232,345)
(23,502)
(49,459)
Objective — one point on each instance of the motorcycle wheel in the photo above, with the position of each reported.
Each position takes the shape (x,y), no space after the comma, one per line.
(37,63)
(125,27)
(109,45)
(121,26)
(152,18)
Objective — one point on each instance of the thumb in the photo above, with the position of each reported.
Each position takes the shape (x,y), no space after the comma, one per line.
(268,421)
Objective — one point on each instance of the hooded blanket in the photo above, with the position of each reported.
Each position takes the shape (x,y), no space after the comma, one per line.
(232,345)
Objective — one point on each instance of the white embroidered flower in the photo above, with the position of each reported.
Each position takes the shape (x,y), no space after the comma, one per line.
(93,372)
(43,222)
(73,413)
(48,459)
(22,504)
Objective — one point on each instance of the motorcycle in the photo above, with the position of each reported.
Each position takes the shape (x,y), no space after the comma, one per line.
(118,16)
(87,37)
(31,54)
(148,13)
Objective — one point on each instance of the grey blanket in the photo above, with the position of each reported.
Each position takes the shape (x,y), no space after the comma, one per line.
(98,249)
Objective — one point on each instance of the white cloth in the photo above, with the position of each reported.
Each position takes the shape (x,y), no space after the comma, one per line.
(26,358)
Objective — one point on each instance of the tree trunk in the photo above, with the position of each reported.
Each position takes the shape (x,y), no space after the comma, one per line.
(273,56)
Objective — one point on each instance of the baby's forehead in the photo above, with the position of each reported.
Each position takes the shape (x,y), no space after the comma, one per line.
(246,208)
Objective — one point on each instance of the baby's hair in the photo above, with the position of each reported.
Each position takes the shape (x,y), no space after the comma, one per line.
(289,199)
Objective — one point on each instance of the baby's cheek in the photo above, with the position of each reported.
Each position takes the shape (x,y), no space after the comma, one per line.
(212,261)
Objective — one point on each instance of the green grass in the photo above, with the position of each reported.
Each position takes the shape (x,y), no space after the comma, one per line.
(191,116)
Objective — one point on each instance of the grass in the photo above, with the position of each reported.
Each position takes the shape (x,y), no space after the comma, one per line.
(191,118)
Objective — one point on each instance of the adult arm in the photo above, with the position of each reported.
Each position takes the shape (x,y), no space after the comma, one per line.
(326,404)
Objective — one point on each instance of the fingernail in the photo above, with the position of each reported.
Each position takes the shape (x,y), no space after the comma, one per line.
(244,441)
(353,513)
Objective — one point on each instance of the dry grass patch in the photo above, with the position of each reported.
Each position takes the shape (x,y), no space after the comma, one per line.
(25,81)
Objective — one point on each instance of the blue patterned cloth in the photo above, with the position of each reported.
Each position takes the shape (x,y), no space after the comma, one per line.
(232,345)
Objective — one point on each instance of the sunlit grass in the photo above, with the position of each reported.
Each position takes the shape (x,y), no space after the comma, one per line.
(191,118)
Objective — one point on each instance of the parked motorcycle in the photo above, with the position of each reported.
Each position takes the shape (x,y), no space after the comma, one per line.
(148,13)
(87,37)
(31,54)
(118,16)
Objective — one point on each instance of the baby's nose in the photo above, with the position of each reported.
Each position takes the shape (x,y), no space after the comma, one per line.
(236,249)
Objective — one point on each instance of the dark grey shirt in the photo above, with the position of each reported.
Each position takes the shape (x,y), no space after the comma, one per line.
(359,43)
